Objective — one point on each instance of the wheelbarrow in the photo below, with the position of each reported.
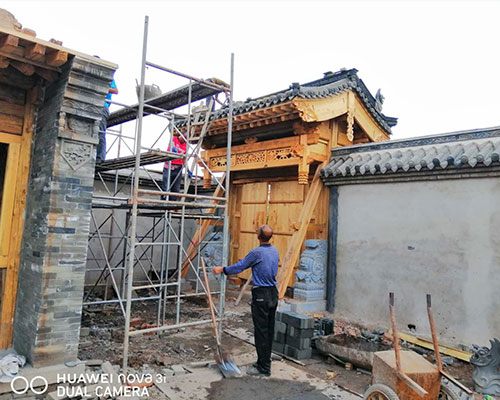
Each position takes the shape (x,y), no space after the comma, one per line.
(406,375)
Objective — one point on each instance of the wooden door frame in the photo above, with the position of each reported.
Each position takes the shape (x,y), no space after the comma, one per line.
(21,143)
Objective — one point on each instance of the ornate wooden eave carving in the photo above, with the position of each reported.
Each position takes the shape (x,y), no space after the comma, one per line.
(300,150)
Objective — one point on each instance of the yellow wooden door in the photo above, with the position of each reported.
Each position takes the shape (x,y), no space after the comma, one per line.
(16,133)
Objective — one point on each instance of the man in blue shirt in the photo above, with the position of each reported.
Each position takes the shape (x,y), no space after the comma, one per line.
(264,263)
(101,147)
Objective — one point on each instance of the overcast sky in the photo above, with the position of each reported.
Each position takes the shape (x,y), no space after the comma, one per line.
(437,62)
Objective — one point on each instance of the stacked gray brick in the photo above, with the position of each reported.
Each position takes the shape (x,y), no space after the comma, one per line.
(59,196)
(292,335)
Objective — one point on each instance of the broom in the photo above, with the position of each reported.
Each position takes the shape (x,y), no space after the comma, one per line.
(223,360)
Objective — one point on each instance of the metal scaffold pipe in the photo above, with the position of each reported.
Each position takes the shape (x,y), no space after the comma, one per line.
(133,227)
(225,238)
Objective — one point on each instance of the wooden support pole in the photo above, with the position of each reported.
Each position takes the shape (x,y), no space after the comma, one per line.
(295,244)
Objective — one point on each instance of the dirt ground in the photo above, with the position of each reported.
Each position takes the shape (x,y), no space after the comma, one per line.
(103,339)
(268,389)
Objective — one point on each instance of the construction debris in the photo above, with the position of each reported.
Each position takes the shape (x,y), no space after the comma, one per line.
(9,366)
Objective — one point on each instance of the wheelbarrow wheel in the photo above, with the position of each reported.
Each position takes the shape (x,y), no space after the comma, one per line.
(380,392)
(446,393)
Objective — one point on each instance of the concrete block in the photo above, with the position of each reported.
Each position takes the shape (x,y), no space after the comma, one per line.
(298,354)
(298,320)
(299,343)
(279,347)
(280,337)
(309,306)
(299,333)
(280,327)
(309,295)
(285,307)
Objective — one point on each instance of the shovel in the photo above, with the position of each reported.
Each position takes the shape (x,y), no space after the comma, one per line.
(223,360)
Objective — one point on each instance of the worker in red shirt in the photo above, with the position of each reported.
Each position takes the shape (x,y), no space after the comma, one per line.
(179,146)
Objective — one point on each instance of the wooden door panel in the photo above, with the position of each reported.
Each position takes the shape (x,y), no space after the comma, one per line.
(285,203)
(8,197)
(14,199)
(252,215)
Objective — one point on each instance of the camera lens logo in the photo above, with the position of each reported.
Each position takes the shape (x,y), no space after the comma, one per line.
(37,384)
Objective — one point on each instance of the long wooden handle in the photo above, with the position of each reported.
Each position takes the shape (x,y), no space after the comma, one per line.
(210,302)
(434,334)
(395,343)
(436,348)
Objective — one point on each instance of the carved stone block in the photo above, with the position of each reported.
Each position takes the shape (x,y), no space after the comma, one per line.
(486,374)
(311,276)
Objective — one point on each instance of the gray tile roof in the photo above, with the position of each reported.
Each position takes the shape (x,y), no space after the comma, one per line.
(468,149)
(331,84)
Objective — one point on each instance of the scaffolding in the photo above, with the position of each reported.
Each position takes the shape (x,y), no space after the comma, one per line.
(128,202)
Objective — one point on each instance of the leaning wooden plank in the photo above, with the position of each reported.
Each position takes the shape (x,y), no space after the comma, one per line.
(200,232)
(427,344)
(295,244)
(243,289)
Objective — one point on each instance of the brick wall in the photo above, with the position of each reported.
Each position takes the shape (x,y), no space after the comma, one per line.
(54,249)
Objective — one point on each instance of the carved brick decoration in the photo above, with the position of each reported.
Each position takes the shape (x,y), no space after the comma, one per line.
(76,154)
(79,125)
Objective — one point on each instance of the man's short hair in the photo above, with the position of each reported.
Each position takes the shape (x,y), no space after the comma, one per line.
(265,233)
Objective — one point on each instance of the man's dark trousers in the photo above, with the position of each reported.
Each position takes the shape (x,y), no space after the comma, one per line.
(175,181)
(264,304)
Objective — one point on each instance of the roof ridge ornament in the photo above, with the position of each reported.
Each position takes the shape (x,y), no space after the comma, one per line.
(379,100)
(295,87)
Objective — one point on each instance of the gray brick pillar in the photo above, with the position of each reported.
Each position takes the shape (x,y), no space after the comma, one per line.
(57,219)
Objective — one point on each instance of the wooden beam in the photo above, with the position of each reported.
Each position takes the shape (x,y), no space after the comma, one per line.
(26,69)
(48,75)
(35,52)
(9,43)
(295,243)
(56,58)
